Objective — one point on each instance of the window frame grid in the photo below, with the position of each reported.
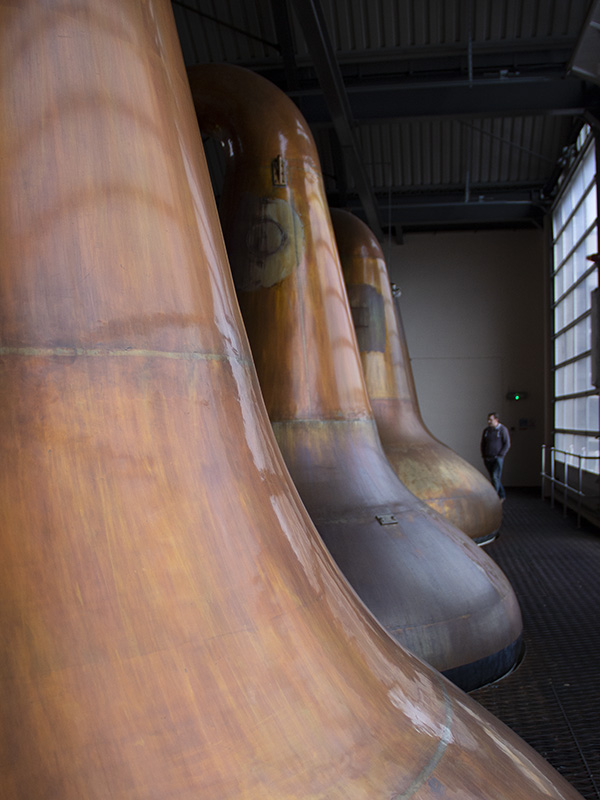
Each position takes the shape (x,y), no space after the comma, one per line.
(588,231)
(579,438)
(584,315)
(562,229)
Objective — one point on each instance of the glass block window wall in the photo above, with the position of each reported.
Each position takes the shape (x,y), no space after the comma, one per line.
(575,236)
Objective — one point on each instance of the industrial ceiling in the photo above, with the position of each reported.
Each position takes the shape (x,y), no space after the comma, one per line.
(427,114)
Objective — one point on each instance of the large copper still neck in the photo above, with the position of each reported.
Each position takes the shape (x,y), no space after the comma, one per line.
(171,624)
(387,372)
(283,256)
(393,549)
(430,469)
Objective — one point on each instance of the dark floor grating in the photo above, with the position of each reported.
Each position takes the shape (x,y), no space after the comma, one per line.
(553,699)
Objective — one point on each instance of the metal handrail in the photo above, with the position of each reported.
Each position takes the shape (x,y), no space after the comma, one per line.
(566,487)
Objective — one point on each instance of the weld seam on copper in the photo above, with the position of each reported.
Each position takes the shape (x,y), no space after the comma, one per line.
(324,421)
(69,352)
(445,740)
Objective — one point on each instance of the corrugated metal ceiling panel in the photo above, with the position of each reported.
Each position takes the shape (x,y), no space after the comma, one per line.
(442,154)
(243,31)
(368,27)
(226,31)
(406,45)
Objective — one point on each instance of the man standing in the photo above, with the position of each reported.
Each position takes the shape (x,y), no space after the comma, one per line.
(495,444)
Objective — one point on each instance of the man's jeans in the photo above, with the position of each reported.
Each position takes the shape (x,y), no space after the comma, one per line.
(494,467)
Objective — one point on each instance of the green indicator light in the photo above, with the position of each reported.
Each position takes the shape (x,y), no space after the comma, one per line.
(516,396)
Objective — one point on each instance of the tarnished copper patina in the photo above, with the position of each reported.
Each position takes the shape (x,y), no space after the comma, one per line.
(432,471)
(426,582)
(172,627)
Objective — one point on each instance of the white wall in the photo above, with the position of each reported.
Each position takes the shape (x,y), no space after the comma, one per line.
(473,306)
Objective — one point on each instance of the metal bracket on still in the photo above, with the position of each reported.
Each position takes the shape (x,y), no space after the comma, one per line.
(278,172)
(386,519)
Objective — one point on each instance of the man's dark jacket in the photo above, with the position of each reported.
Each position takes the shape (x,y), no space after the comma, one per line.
(495,441)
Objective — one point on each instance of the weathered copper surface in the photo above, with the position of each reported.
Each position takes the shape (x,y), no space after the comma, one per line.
(426,582)
(432,471)
(171,625)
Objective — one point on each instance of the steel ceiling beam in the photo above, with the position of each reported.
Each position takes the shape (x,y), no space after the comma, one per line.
(283,28)
(451,210)
(310,18)
(484,98)
(585,61)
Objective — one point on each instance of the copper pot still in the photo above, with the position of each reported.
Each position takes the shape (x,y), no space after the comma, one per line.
(171,624)
(434,590)
(427,467)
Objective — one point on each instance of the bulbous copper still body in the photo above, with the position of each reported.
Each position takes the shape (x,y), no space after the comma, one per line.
(429,469)
(434,590)
(172,626)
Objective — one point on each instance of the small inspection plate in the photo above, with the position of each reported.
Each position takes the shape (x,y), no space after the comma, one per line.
(386,519)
